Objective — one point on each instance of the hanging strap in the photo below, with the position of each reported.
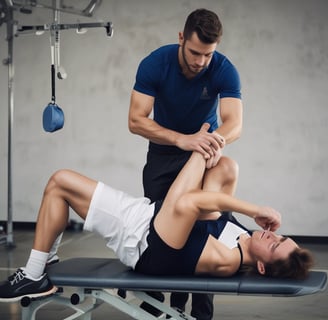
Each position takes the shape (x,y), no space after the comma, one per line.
(53,69)
(54,37)
(53,88)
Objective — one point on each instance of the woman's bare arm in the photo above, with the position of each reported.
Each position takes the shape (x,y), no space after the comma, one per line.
(207,202)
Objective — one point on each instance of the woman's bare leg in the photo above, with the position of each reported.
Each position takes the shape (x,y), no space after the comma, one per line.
(173,226)
(65,189)
(223,177)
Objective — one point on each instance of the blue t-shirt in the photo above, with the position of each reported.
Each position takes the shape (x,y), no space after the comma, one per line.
(183,104)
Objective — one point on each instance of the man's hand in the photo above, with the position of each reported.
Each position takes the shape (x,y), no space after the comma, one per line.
(206,143)
(213,161)
(268,218)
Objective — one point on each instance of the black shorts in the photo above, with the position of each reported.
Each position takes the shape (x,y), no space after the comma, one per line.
(161,259)
(160,171)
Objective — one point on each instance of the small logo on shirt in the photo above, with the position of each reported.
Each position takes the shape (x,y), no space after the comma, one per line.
(205,95)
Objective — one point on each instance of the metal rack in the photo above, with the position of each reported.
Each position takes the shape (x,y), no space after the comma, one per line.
(7,9)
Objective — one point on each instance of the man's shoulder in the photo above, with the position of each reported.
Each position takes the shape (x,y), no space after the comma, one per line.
(162,57)
(164,53)
(166,48)
(224,69)
(219,60)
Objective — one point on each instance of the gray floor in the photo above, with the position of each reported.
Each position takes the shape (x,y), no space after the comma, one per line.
(80,244)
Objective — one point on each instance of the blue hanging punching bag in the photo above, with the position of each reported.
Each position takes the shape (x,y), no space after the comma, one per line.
(53,117)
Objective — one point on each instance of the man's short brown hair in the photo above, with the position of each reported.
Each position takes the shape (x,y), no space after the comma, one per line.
(206,24)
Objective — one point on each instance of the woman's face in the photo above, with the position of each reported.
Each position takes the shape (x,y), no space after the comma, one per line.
(267,246)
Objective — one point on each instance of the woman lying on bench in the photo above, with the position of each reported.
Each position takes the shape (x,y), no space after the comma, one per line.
(183,235)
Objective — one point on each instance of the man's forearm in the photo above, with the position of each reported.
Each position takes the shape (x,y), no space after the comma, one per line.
(230,130)
(231,114)
(152,131)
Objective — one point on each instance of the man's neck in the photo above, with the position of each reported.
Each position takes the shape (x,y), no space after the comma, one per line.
(184,68)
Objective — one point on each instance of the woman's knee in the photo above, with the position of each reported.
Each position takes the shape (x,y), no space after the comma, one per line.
(229,168)
(57,180)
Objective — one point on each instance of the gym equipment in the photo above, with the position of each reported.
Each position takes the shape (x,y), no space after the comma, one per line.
(54,119)
(97,280)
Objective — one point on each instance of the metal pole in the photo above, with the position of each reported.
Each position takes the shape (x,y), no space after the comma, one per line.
(10,39)
(11,24)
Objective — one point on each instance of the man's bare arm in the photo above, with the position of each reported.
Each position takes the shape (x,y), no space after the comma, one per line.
(141,106)
(231,113)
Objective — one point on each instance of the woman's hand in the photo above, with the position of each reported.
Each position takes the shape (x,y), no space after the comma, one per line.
(268,218)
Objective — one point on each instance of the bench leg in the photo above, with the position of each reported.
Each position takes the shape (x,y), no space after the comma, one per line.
(83,311)
(84,301)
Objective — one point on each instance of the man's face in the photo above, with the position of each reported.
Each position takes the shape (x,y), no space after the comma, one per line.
(195,55)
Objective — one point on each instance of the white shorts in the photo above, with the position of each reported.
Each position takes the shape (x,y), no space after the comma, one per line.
(122,220)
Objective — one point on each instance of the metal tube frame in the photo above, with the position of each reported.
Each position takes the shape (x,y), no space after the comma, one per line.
(8,238)
(12,30)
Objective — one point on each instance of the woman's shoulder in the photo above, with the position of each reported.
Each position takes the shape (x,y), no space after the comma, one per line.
(218,260)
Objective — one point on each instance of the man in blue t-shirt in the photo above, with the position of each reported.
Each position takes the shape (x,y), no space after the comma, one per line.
(185,86)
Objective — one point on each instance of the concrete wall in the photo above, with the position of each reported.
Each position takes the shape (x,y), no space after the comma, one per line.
(281,50)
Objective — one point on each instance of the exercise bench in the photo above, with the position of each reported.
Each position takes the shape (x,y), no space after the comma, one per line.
(100,280)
